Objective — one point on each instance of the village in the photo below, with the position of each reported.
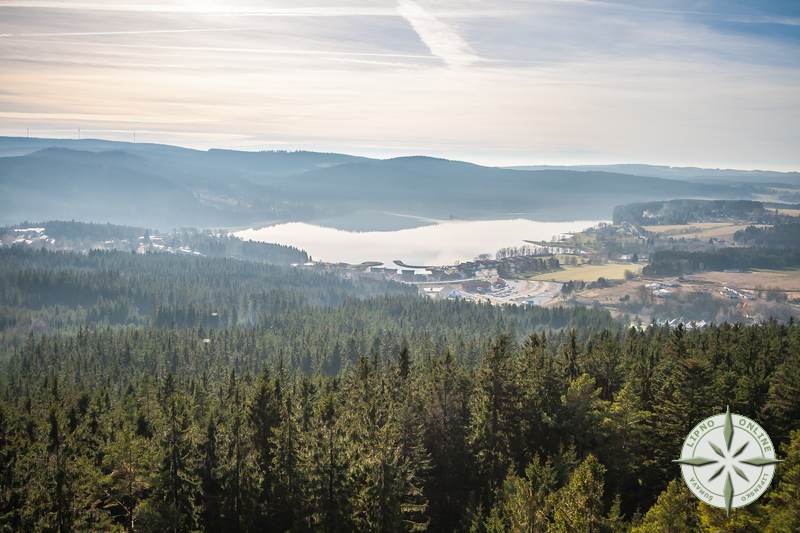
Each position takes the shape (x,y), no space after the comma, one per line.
(603,267)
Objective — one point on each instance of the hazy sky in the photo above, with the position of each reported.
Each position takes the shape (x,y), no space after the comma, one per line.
(683,82)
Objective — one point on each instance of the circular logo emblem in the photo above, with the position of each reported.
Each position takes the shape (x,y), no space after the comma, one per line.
(728,461)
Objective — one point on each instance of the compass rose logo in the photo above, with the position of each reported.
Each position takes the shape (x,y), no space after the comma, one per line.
(728,461)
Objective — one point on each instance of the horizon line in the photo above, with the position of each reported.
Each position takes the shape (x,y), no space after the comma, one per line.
(401,154)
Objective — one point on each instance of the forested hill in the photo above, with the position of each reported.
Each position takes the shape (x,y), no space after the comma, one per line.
(706,175)
(168,186)
(429,186)
(685,211)
(58,235)
(183,429)
(49,291)
(57,289)
(161,392)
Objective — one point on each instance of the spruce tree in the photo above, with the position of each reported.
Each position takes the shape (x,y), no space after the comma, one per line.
(783,502)
(494,415)
(286,472)
(324,462)
(578,506)
(240,470)
(446,424)
(675,510)
(176,485)
(525,503)
(210,475)
(128,460)
(264,417)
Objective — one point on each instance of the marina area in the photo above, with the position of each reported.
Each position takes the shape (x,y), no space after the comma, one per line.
(452,259)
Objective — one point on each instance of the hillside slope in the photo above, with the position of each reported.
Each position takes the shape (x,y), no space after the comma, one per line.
(708,175)
(167,186)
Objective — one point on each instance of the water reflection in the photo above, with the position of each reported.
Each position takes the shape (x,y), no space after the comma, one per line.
(439,244)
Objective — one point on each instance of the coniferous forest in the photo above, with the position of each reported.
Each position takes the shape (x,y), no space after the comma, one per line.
(175,393)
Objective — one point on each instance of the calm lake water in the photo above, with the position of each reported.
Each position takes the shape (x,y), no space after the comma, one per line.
(444,243)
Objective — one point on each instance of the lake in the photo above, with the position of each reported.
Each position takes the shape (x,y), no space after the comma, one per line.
(444,243)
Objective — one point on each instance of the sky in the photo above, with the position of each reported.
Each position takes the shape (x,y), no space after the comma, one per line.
(712,83)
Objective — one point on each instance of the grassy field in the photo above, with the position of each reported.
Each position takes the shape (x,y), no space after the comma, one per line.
(590,272)
(700,230)
(787,280)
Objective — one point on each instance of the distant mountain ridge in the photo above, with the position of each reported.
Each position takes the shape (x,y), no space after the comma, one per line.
(466,188)
(169,186)
(681,173)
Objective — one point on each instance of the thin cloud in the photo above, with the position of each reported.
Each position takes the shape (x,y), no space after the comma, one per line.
(97,117)
(440,38)
(247,10)
(126,32)
(722,16)
(210,9)
(324,54)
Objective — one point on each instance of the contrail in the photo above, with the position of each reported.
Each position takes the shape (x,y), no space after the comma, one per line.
(440,38)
